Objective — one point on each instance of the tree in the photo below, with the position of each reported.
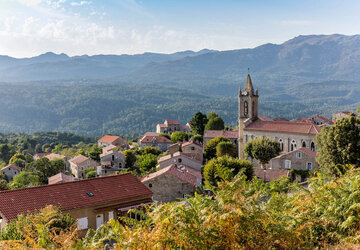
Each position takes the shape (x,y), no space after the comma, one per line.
(147,163)
(214,122)
(130,158)
(25,179)
(212,115)
(339,145)
(210,147)
(45,168)
(18,159)
(148,150)
(90,172)
(226,148)
(198,123)
(197,137)
(224,169)
(94,152)
(262,149)
(6,152)
(165,135)
(179,136)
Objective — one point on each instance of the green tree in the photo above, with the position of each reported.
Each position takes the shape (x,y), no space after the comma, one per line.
(339,145)
(25,179)
(165,135)
(90,173)
(18,159)
(212,115)
(224,169)
(198,123)
(210,147)
(226,148)
(130,158)
(148,150)
(94,152)
(262,149)
(147,163)
(179,136)
(6,152)
(45,168)
(215,124)
(197,137)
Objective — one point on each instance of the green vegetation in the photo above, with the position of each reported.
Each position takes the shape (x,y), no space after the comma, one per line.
(44,168)
(147,163)
(210,147)
(179,136)
(165,135)
(339,145)
(215,122)
(198,122)
(262,149)
(226,148)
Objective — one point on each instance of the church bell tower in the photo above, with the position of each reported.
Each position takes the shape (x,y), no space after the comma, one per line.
(248,111)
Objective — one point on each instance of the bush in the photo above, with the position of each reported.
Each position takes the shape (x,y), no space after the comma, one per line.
(210,147)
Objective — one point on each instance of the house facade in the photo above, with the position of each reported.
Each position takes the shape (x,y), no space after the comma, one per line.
(172,183)
(92,202)
(79,163)
(60,178)
(10,171)
(181,159)
(149,140)
(117,141)
(340,115)
(171,126)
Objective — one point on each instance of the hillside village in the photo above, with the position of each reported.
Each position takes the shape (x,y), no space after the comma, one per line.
(164,165)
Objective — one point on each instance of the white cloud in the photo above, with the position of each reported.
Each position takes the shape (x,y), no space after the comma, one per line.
(81,3)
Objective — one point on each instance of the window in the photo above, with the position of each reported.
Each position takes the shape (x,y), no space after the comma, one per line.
(150,185)
(111,215)
(298,155)
(253,109)
(304,144)
(246,108)
(281,144)
(309,166)
(112,157)
(82,223)
(293,145)
(179,160)
(287,164)
(192,148)
(312,146)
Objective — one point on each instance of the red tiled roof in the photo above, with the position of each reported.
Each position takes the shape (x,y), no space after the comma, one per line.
(308,151)
(79,159)
(265,118)
(323,118)
(280,119)
(41,155)
(108,138)
(159,139)
(59,178)
(161,125)
(225,133)
(176,154)
(180,173)
(151,134)
(72,195)
(271,174)
(12,166)
(190,143)
(53,156)
(172,122)
(283,126)
(303,120)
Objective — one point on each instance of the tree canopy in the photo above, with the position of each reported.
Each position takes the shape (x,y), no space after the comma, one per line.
(179,136)
(226,148)
(262,149)
(210,147)
(198,123)
(215,122)
(147,163)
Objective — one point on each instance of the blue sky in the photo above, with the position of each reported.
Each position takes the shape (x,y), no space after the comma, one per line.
(75,27)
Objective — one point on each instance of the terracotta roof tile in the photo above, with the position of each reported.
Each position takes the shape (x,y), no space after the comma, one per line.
(181,173)
(159,139)
(41,155)
(60,178)
(176,154)
(13,167)
(161,125)
(308,151)
(271,174)
(79,159)
(283,126)
(53,156)
(72,195)
(265,118)
(108,138)
(190,143)
(225,133)
(172,122)
(280,119)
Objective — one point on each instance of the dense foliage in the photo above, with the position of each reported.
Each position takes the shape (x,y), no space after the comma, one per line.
(179,136)
(210,147)
(262,149)
(226,148)
(339,145)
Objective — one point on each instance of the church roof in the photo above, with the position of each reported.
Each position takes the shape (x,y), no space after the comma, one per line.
(283,127)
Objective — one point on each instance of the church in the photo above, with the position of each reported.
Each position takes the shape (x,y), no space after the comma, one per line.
(292,135)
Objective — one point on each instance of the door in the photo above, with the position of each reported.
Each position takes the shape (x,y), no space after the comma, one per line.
(99,220)
(111,215)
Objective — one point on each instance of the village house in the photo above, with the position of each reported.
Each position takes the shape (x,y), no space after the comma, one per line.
(79,163)
(173,182)
(117,141)
(40,155)
(291,135)
(92,201)
(152,140)
(181,159)
(60,178)
(112,161)
(10,171)
(171,126)
(300,159)
(190,148)
(267,175)
(53,156)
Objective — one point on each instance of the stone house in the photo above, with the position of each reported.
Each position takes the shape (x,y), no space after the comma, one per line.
(267,175)
(179,158)
(10,171)
(173,182)
(160,142)
(117,141)
(111,162)
(190,148)
(171,126)
(300,159)
(60,178)
(79,163)
(53,156)
(40,155)
(92,201)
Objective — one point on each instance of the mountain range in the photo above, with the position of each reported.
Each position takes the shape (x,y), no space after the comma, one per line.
(302,76)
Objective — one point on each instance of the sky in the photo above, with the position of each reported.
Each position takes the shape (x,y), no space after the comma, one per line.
(75,27)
